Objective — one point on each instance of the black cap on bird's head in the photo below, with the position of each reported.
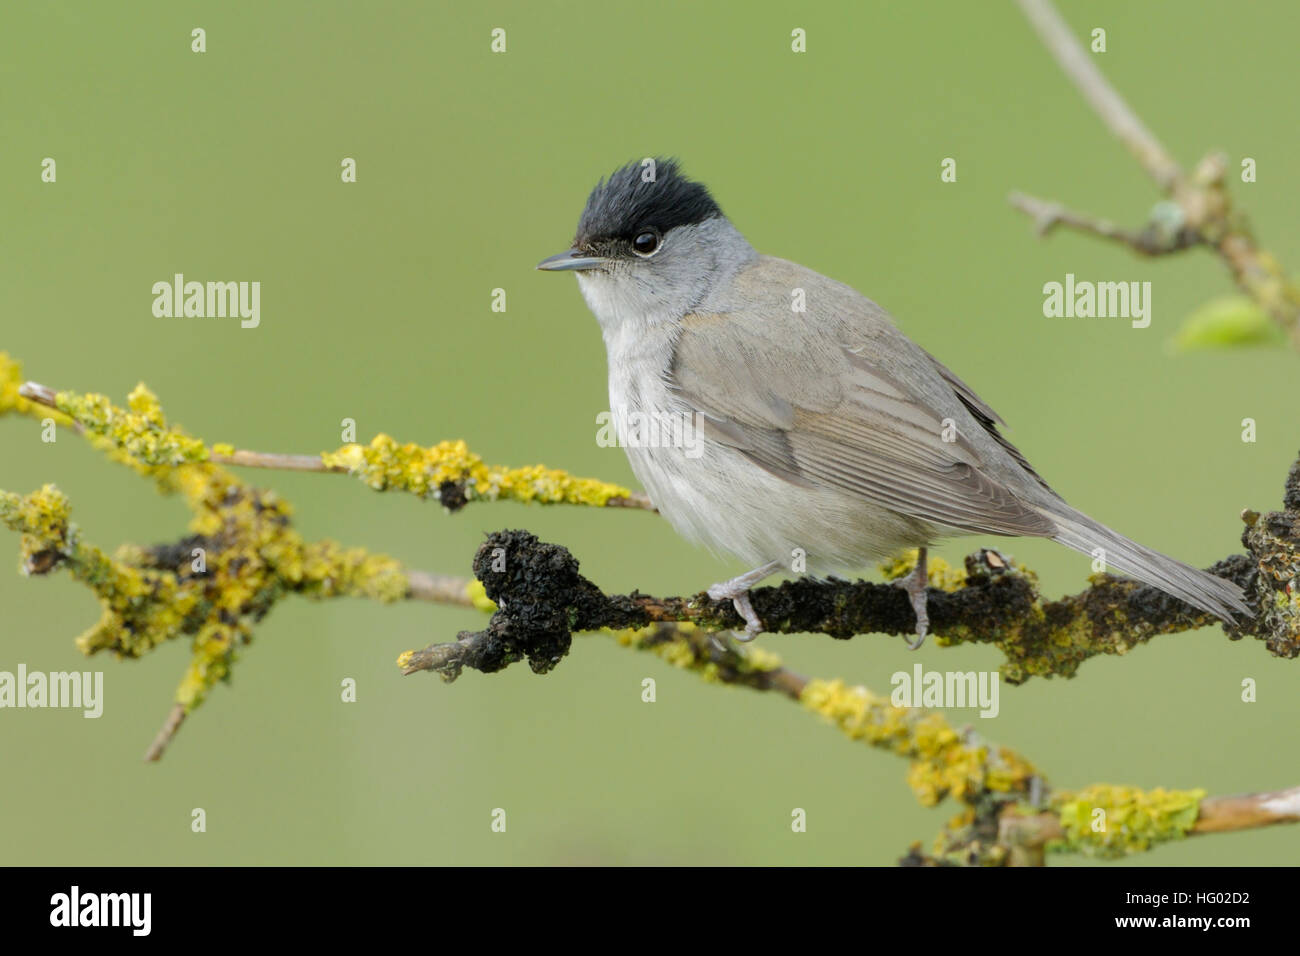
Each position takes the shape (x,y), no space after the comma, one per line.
(629,213)
(646,194)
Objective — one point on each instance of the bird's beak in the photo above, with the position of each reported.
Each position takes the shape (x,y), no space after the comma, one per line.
(572,260)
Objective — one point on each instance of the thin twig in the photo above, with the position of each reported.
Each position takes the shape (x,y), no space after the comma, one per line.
(1220,814)
(1201,212)
(637,499)
(259,459)
(1149,241)
(438,588)
(45,396)
(175,717)
(1105,100)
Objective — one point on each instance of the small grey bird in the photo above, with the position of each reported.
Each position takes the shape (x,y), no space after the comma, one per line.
(820,430)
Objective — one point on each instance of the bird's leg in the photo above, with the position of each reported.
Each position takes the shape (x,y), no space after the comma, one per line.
(915,585)
(738,590)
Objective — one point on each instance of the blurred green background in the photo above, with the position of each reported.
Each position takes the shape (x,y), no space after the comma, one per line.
(376,306)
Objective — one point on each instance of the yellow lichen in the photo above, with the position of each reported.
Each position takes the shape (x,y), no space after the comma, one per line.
(243,558)
(943,764)
(11,376)
(137,436)
(685,646)
(1113,821)
(939,573)
(478,596)
(141,607)
(425,472)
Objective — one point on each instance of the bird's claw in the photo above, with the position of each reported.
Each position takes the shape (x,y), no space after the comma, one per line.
(737,590)
(915,584)
(744,607)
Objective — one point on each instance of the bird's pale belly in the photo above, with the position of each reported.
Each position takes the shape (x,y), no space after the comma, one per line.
(713,495)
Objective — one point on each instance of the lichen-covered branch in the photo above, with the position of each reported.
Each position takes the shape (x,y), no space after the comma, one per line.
(1111,822)
(542,599)
(448,472)
(455,476)
(1199,211)
(539,599)
(240,558)
(211,586)
(1008,816)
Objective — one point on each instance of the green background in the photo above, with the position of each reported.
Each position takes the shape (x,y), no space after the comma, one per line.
(376,306)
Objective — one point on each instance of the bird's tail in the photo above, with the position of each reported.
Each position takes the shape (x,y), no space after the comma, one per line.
(1200,589)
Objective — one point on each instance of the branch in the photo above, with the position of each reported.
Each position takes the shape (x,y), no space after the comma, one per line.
(261,459)
(1101,96)
(1028,836)
(1152,240)
(1223,814)
(452,494)
(1010,817)
(243,555)
(542,600)
(175,717)
(448,471)
(1201,211)
(538,598)
(440,588)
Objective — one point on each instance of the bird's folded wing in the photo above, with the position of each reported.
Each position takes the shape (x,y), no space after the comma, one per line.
(815,406)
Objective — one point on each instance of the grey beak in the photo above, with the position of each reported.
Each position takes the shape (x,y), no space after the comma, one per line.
(571,260)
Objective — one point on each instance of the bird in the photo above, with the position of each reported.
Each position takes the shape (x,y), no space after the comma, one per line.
(808,433)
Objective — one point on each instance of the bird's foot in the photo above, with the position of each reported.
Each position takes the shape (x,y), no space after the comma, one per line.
(737,590)
(915,584)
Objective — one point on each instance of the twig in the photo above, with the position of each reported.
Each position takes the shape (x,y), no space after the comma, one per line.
(43,395)
(637,499)
(1201,212)
(1149,241)
(259,459)
(1105,100)
(175,717)
(1225,814)
(255,459)
(1221,814)
(453,493)
(439,588)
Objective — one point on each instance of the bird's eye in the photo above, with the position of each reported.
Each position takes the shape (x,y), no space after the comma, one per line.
(646,243)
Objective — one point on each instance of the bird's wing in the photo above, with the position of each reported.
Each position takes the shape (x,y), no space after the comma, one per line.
(837,397)
(989,420)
